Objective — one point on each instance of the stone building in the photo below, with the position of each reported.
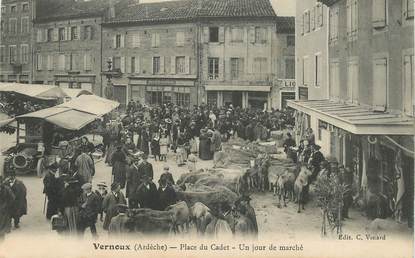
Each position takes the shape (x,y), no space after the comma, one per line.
(67,43)
(15,44)
(366,122)
(190,52)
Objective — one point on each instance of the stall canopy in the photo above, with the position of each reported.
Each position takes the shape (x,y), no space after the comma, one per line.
(6,120)
(74,93)
(39,91)
(91,104)
(74,114)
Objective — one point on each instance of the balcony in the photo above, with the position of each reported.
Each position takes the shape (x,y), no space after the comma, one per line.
(258,79)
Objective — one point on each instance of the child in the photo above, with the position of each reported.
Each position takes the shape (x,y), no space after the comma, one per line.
(191,162)
(164,146)
(101,192)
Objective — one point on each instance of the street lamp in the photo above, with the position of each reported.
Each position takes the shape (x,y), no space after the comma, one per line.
(108,74)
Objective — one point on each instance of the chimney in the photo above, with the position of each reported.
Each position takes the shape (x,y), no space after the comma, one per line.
(111,9)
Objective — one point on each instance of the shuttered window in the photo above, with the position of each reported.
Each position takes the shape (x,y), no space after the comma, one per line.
(379,13)
(61,62)
(180,64)
(87,62)
(408,9)
(334,24)
(318,70)
(135,39)
(50,63)
(39,62)
(155,40)
(409,90)
(352,18)
(307,22)
(180,38)
(306,70)
(352,81)
(334,80)
(319,15)
(380,83)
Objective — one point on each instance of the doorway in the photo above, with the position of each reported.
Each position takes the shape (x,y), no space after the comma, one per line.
(120,95)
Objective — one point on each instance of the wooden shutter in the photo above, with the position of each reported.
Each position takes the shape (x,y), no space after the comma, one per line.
(349,17)
(137,64)
(379,13)
(205,34)
(152,65)
(128,61)
(380,82)
(313,18)
(122,44)
(187,65)
(409,96)
(252,35)
(161,64)
(221,34)
(122,64)
(114,41)
(221,66)
(78,30)
(67,62)
(320,21)
(67,33)
(173,64)
(153,40)
(355,16)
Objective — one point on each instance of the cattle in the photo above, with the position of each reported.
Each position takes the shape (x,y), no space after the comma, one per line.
(301,186)
(201,216)
(181,215)
(149,221)
(284,186)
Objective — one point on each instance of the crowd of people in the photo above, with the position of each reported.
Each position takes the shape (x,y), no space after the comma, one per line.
(308,153)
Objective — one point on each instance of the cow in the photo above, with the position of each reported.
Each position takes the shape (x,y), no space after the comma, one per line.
(201,216)
(149,221)
(301,186)
(181,214)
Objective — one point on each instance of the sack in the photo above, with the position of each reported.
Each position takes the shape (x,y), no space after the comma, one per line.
(59,222)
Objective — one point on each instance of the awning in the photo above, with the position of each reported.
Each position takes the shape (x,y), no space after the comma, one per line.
(6,120)
(39,91)
(63,117)
(356,119)
(91,104)
(238,88)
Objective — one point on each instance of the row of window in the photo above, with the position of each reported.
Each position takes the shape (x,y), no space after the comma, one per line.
(379,17)
(65,33)
(212,34)
(14,8)
(13,55)
(132,64)
(12,26)
(380,82)
(64,62)
(164,95)
(236,68)
(312,19)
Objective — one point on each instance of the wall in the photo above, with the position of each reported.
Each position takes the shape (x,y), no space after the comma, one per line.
(309,44)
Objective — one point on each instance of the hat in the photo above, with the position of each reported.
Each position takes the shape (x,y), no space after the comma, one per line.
(86,186)
(103,184)
(317,147)
(53,166)
(166,167)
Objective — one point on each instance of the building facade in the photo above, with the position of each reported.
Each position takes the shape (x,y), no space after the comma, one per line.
(242,58)
(367,121)
(67,44)
(16,42)
(192,52)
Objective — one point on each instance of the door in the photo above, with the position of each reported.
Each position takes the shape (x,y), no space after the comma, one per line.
(237,99)
(286,96)
(120,95)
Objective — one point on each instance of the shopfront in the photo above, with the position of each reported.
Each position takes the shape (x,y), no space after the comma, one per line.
(255,97)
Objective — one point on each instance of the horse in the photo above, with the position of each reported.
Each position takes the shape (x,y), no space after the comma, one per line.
(301,182)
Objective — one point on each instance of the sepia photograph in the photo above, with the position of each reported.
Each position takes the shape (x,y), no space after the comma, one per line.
(207,128)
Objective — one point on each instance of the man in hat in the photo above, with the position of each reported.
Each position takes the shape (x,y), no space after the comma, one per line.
(118,223)
(288,143)
(346,177)
(134,179)
(19,207)
(89,209)
(315,160)
(167,175)
(110,203)
(52,187)
(85,165)
(147,194)
(167,195)
(145,169)
(101,192)
(7,200)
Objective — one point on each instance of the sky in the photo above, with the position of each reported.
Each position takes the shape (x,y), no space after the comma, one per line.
(281,7)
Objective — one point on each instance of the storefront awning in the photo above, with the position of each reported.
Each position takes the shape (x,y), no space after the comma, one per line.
(238,88)
(356,119)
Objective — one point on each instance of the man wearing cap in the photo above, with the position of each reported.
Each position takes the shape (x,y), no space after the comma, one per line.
(101,192)
(167,175)
(52,188)
(119,163)
(109,205)
(19,207)
(89,208)
(134,179)
(145,168)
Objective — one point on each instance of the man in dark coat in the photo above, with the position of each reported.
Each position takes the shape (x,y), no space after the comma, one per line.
(147,194)
(315,160)
(118,162)
(167,176)
(145,168)
(7,199)
(111,202)
(89,209)
(52,187)
(167,195)
(19,207)
(134,179)
(249,211)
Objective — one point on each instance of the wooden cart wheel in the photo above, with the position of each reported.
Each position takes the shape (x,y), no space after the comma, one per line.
(40,167)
